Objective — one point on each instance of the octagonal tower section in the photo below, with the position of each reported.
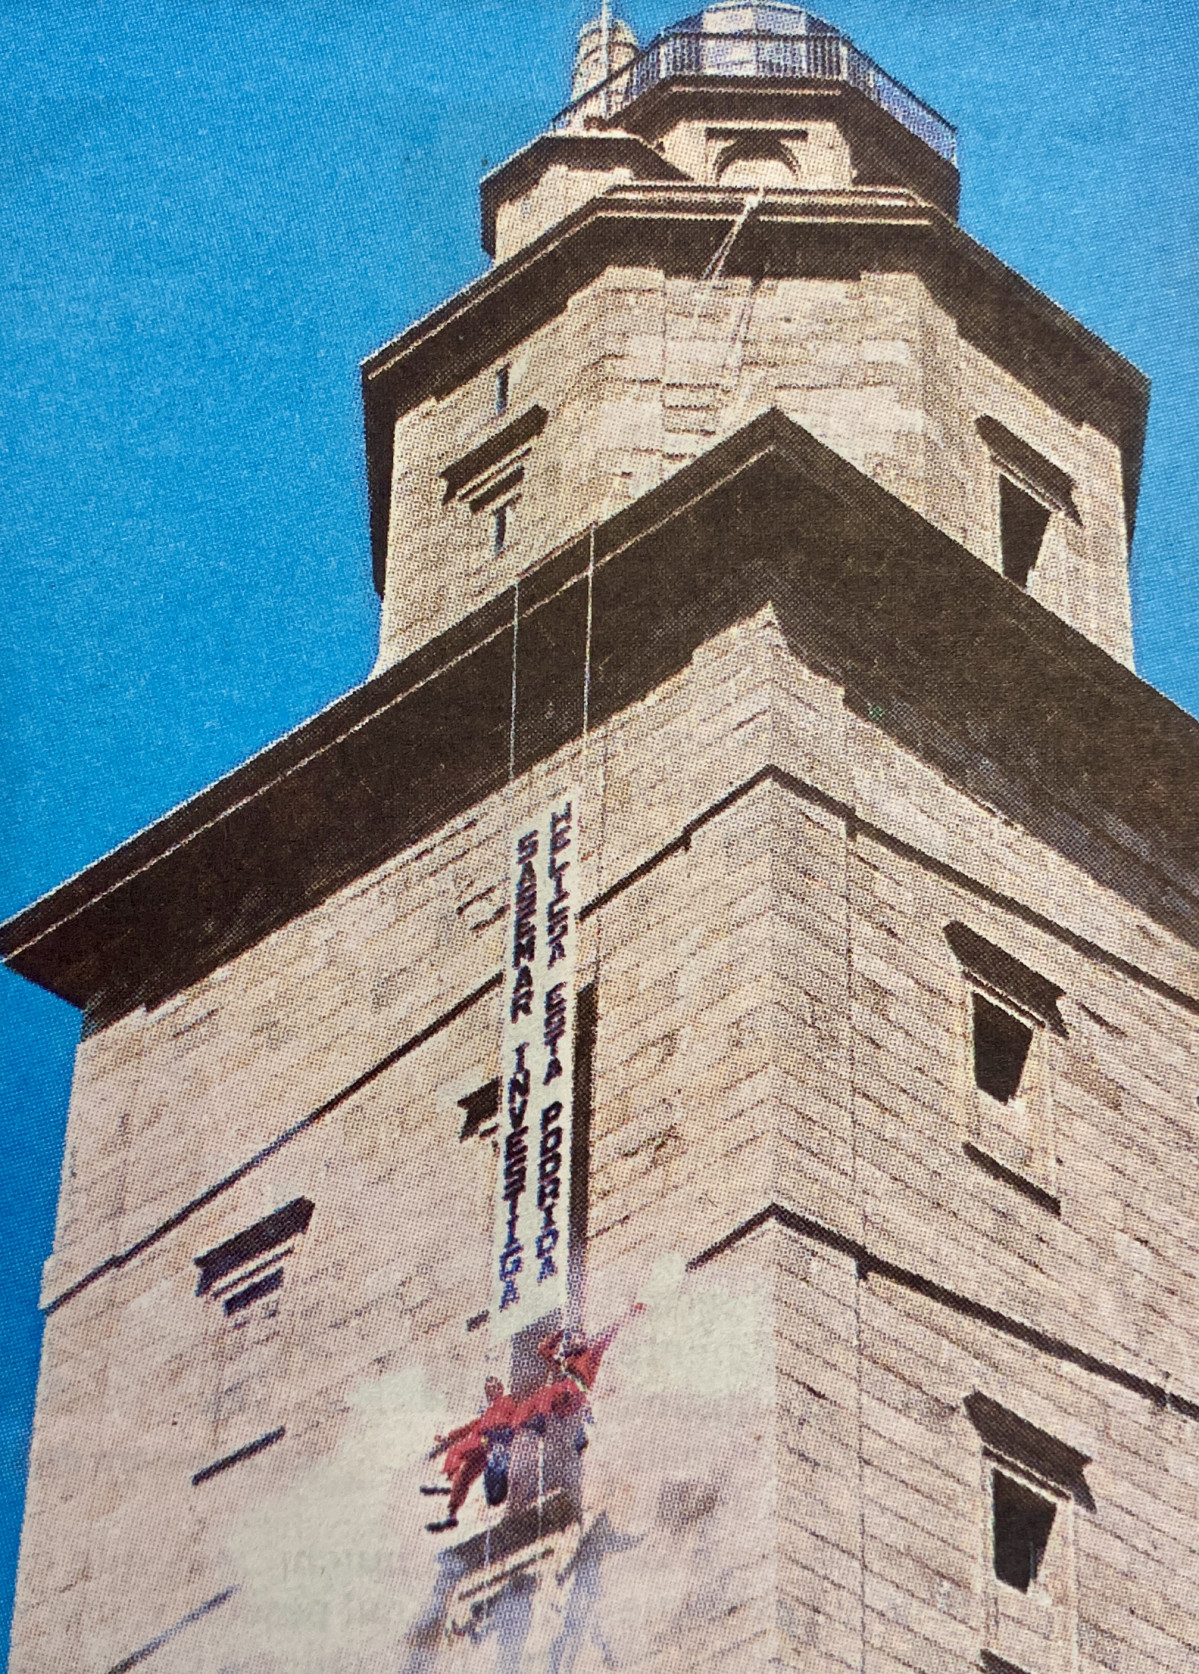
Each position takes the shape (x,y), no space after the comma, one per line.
(747,214)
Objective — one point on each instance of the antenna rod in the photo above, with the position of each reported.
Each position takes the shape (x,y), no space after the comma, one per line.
(606,47)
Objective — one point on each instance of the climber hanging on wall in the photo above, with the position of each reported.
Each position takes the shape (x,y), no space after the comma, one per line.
(482,1447)
(574,1360)
(474,1450)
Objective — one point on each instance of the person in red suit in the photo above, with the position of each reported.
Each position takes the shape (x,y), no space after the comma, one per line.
(574,1360)
(474,1449)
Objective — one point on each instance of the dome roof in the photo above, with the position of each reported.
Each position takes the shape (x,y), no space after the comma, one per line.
(731,17)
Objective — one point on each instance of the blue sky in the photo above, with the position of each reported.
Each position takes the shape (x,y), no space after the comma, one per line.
(209,213)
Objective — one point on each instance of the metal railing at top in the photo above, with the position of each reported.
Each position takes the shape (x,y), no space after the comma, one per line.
(809,57)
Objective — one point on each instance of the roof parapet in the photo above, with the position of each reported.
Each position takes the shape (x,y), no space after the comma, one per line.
(812,51)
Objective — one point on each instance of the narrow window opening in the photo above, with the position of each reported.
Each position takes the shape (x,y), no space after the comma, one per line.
(499,529)
(1001,1047)
(501,389)
(255,1292)
(1022,1521)
(1022,525)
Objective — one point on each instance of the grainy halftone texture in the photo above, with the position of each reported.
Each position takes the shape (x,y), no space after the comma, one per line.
(749,494)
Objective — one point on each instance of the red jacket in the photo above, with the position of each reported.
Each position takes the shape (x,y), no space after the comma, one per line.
(502,1414)
(566,1395)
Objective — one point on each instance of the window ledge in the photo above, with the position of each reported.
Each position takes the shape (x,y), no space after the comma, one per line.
(1018,1182)
(992,1664)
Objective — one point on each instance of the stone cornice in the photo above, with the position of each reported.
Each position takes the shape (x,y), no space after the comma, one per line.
(955,662)
(606,150)
(677,228)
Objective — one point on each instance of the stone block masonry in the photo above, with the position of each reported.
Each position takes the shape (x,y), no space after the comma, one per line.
(783,1098)
(752,497)
(643,371)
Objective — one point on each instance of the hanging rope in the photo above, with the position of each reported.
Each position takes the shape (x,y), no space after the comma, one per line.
(606,53)
(715,267)
(574,1297)
(512,710)
(711,275)
(587,644)
(540,1480)
(735,353)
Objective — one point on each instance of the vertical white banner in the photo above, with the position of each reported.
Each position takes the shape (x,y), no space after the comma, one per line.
(532,1210)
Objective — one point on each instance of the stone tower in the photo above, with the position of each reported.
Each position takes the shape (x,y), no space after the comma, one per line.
(750,509)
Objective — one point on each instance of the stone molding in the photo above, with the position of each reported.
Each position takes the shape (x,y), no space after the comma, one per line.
(678,228)
(912,625)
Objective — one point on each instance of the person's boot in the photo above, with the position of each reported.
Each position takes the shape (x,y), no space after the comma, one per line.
(436,1488)
(440,1528)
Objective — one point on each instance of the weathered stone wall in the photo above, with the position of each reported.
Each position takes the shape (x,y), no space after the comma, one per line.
(781,1455)
(642,373)
(554,196)
(818,150)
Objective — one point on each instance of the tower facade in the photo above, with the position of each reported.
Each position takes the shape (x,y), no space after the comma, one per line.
(753,555)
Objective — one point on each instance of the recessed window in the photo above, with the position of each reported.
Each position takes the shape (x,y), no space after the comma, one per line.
(1001,1047)
(756,160)
(245,1273)
(1028,990)
(500,519)
(1031,489)
(232,1259)
(501,389)
(1022,525)
(1022,1521)
(1010,1015)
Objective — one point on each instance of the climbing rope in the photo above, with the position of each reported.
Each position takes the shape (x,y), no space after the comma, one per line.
(512,710)
(587,645)
(715,267)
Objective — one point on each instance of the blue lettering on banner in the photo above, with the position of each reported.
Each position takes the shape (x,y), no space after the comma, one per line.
(557,915)
(533,1185)
(555,1028)
(549,1186)
(516,1152)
